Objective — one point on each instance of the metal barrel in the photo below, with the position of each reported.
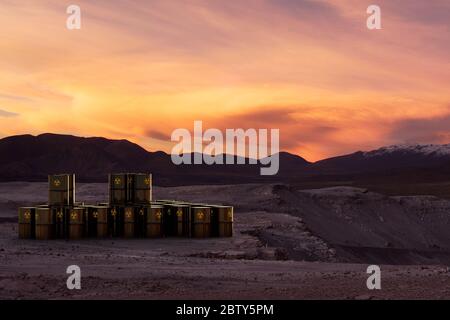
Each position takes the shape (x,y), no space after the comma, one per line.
(140,227)
(201,222)
(221,221)
(154,221)
(102,221)
(142,188)
(177,220)
(44,224)
(61,190)
(96,221)
(27,223)
(170,220)
(118,189)
(226,221)
(61,226)
(129,221)
(116,216)
(76,223)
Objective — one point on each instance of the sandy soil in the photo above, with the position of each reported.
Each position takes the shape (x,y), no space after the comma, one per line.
(288,244)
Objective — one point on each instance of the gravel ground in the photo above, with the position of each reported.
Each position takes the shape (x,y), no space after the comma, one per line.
(279,251)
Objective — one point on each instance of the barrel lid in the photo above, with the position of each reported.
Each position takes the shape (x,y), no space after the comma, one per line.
(220,206)
(182,206)
(62,174)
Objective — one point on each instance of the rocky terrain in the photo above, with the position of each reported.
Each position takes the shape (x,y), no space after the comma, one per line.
(289,243)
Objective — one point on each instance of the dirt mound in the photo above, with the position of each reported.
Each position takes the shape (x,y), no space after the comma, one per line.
(338,224)
(333,224)
(400,230)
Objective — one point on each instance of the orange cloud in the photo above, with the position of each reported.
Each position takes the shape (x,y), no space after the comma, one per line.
(139,69)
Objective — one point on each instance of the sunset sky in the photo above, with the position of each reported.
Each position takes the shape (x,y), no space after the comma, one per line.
(137,70)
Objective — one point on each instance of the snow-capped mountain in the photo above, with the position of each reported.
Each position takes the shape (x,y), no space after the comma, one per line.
(424,149)
(387,159)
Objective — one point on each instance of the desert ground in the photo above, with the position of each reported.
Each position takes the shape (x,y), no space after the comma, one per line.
(289,243)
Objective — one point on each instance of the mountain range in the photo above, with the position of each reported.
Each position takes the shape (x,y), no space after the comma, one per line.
(32,158)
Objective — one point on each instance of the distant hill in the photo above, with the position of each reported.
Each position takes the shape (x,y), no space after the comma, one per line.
(32,158)
(392,158)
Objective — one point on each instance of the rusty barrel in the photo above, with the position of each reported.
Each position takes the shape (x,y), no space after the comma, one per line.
(182,220)
(154,221)
(201,222)
(142,188)
(96,224)
(44,224)
(129,222)
(61,227)
(116,217)
(226,220)
(27,223)
(90,225)
(119,189)
(221,221)
(61,190)
(76,223)
(102,221)
(169,220)
(214,220)
(140,227)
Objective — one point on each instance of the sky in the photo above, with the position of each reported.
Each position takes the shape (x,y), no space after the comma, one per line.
(137,70)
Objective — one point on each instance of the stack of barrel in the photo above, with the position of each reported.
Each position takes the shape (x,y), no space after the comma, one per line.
(130,213)
(130,195)
(61,218)
(175,218)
